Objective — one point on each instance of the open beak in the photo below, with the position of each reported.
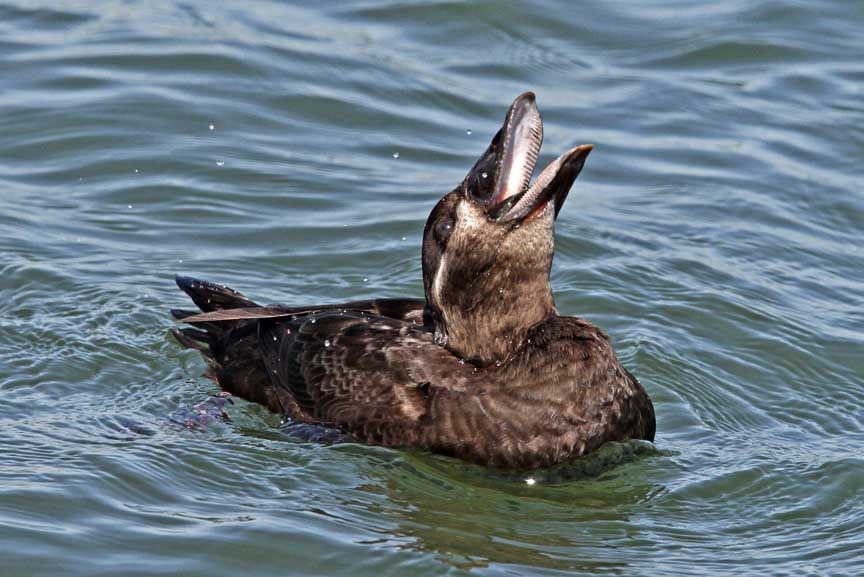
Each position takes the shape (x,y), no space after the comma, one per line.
(516,148)
(522,136)
(553,184)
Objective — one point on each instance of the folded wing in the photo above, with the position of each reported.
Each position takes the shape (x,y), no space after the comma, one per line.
(369,375)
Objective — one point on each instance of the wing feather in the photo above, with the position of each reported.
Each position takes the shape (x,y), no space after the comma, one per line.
(402,309)
(369,375)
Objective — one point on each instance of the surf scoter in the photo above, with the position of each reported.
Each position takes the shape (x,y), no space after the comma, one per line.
(484,368)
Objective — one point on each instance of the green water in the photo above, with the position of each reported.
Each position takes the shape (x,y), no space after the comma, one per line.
(715,233)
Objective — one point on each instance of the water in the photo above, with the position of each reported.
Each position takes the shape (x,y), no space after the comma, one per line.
(715,234)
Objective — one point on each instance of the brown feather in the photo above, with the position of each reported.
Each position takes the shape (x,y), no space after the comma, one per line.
(483,368)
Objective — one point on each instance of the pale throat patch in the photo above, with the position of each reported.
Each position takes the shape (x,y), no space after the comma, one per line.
(437,284)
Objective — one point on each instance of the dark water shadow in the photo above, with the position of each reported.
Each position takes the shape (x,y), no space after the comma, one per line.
(472,517)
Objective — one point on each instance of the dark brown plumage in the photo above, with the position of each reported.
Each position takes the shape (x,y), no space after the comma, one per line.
(483,369)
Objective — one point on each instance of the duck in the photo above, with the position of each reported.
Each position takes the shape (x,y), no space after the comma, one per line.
(483,368)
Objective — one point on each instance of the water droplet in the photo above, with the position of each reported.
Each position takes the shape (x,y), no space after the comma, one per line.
(404,238)
(136,171)
(468,132)
(211,127)
(180,260)
(274,337)
(500,291)
(128,206)
(395,155)
(326,342)
(287,331)
(497,363)
(220,162)
(365,279)
(484,174)
(447,226)
(530,481)
(313,320)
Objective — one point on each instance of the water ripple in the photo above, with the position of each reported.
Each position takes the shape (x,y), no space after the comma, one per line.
(714,234)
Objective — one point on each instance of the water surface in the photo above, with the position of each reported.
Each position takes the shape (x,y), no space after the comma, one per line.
(294,153)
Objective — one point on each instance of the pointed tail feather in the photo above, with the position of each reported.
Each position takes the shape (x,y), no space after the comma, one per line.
(229,347)
(192,339)
(210,297)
